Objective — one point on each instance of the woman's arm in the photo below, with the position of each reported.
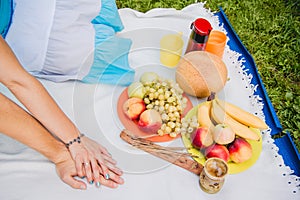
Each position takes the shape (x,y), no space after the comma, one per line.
(31,93)
(19,125)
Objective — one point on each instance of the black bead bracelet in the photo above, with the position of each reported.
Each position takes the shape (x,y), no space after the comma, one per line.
(78,140)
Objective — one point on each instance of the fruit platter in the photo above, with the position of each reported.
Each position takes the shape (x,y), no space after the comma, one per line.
(152,108)
(225,131)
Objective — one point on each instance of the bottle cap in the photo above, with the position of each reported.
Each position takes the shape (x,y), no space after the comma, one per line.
(202,26)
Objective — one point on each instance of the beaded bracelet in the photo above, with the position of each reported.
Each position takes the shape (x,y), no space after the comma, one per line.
(78,140)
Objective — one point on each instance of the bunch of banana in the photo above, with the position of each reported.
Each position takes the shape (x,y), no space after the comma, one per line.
(240,121)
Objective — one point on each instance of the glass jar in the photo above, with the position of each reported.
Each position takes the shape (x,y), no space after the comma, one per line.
(213,175)
(201,29)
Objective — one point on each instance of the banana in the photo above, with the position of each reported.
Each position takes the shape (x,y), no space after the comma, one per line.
(242,116)
(204,115)
(220,116)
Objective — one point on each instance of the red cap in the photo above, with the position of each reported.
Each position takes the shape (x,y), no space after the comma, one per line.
(202,26)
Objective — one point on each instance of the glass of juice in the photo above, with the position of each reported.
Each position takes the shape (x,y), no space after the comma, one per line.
(213,175)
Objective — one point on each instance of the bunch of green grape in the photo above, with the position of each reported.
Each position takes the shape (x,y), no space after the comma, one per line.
(188,125)
(165,96)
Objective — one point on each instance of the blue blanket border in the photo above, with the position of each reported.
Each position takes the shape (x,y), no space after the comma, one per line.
(286,145)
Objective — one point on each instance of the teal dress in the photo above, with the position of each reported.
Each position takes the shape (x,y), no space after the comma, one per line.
(6,11)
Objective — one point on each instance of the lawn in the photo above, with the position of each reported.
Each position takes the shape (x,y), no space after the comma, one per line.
(270,30)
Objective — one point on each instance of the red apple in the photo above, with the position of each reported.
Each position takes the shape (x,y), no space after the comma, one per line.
(201,138)
(133,107)
(240,150)
(150,121)
(217,150)
(223,134)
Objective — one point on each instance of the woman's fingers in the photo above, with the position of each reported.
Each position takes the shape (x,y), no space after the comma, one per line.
(114,169)
(109,159)
(88,171)
(108,171)
(93,169)
(71,181)
(104,150)
(116,178)
(104,169)
(79,166)
(96,172)
(110,182)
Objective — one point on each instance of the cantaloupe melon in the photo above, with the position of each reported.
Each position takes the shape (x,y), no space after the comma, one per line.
(200,73)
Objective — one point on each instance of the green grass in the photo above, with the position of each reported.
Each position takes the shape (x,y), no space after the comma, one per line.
(270,30)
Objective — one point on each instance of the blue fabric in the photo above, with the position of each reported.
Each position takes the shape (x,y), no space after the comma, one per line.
(288,150)
(6,11)
(111,52)
(110,58)
(286,146)
(109,15)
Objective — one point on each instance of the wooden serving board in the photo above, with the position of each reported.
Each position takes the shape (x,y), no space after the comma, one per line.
(169,154)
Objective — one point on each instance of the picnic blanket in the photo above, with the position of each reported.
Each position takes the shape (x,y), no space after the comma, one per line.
(25,174)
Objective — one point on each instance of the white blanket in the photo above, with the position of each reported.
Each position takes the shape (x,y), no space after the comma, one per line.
(25,174)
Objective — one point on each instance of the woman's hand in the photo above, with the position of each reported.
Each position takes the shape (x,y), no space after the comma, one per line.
(65,169)
(94,162)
